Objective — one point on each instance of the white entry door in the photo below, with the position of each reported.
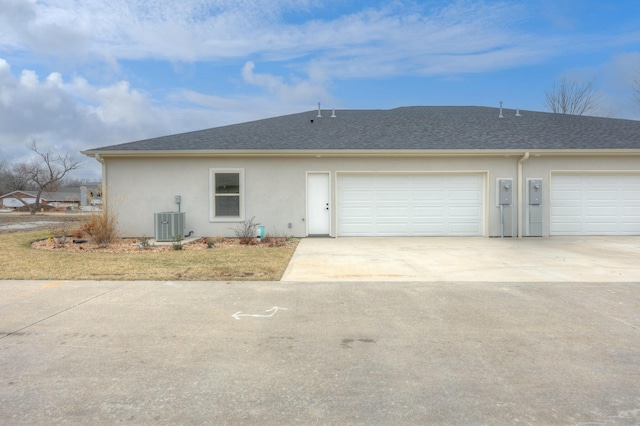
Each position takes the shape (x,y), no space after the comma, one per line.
(318,204)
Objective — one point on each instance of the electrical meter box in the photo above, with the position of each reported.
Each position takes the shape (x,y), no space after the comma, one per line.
(505,192)
(534,209)
(535,192)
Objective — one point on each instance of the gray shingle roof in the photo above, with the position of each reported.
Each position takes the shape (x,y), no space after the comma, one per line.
(406,128)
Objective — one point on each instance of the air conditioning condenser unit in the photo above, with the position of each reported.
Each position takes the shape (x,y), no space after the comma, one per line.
(169,226)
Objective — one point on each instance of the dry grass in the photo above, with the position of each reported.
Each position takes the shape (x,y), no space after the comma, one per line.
(101,227)
(21,262)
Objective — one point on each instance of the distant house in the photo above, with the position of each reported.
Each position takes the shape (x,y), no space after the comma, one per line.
(68,198)
(17,199)
(12,199)
(412,171)
(90,194)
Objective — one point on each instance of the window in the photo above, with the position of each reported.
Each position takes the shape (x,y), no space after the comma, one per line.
(227,195)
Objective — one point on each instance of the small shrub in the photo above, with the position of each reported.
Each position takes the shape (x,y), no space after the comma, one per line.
(247,231)
(60,242)
(271,241)
(59,234)
(177,242)
(76,233)
(213,241)
(143,243)
(101,227)
(60,230)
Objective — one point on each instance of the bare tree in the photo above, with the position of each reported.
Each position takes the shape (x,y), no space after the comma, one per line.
(571,97)
(45,173)
(11,181)
(70,181)
(5,178)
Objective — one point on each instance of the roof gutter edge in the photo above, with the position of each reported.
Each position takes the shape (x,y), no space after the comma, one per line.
(353,152)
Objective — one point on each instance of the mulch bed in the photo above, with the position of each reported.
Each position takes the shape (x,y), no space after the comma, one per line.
(131,245)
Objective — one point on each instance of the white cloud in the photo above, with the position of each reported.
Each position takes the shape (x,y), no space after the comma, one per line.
(299,90)
(618,77)
(70,116)
(52,28)
(76,115)
(623,69)
(119,105)
(613,83)
(383,39)
(283,64)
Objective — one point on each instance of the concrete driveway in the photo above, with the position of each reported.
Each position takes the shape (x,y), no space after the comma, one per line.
(165,353)
(556,259)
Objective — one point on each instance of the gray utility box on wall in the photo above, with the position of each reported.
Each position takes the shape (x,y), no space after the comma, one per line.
(169,225)
(535,207)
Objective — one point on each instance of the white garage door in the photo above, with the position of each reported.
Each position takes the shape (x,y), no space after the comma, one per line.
(410,204)
(595,204)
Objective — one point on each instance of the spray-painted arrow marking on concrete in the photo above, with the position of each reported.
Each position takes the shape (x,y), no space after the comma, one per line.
(273,311)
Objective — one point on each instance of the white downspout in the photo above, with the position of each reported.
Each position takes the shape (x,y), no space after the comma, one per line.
(524,158)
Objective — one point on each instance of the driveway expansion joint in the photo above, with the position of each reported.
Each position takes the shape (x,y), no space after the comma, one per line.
(61,312)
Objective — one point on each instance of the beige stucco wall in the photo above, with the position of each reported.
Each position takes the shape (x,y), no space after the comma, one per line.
(275,187)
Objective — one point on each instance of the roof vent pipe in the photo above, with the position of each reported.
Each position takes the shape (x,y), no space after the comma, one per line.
(501,116)
(319,112)
(518,113)
(333,113)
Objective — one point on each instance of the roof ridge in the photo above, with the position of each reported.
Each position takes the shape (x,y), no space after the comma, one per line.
(405,128)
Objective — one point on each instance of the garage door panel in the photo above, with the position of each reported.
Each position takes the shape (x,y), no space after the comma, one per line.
(431,229)
(392,212)
(567,196)
(631,212)
(359,228)
(567,218)
(601,196)
(604,228)
(429,196)
(461,229)
(392,226)
(566,211)
(462,196)
(428,211)
(602,211)
(631,195)
(629,228)
(462,213)
(595,204)
(568,228)
(392,195)
(358,195)
(412,204)
(358,211)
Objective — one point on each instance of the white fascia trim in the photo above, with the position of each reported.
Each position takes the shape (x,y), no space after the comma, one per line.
(358,153)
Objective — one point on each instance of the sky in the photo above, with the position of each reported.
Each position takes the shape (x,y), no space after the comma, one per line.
(81,74)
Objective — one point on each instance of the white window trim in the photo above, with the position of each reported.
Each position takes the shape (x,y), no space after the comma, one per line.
(212,216)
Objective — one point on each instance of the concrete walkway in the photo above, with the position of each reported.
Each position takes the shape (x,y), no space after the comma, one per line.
(556,259)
